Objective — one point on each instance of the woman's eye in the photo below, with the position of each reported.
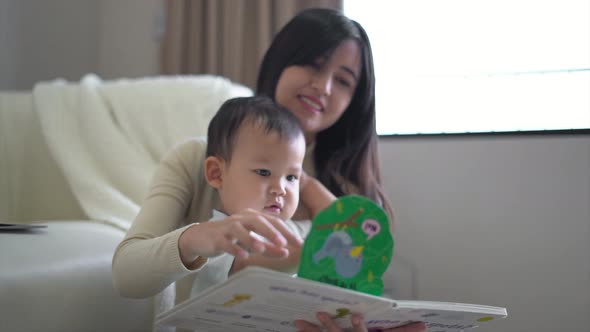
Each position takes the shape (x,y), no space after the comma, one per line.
(292,178)
(262,172)
(344,82)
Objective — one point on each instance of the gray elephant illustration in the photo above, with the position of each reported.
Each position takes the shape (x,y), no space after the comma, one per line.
(347,257)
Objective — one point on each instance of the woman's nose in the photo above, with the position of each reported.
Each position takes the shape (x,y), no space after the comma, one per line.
(322,82)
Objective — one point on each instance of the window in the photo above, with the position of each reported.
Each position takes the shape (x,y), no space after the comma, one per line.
(458,66)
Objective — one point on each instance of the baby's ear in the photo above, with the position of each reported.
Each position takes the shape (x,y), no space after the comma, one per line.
(214,171)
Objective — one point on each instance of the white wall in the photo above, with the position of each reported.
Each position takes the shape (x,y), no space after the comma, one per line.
(498,220)
(44,40)
(129,36)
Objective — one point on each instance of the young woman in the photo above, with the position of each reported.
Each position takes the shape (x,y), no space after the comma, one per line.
(320,67)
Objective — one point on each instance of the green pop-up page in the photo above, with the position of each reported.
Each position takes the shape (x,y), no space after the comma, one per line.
(349,245)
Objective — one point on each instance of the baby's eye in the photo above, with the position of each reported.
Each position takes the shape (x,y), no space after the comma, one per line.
(292,177)
(262,172)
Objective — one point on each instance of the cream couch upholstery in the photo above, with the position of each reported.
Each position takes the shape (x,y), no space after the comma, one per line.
(57,278)
(32,187)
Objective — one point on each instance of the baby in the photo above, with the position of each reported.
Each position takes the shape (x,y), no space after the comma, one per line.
(255,153)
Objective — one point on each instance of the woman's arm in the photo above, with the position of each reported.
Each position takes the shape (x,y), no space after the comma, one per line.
(160,248)
(148,258)
(314,195)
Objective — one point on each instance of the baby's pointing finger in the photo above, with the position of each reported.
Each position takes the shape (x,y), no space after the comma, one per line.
(240,237)
(275,252)
(265,228)
(292,238)
(231,247)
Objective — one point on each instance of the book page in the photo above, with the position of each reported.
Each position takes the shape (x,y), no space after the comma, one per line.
(344,256)
(257,299)
(438,316)
(263,300)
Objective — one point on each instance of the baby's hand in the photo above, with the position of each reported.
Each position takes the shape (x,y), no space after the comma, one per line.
(284,264)
(232,235)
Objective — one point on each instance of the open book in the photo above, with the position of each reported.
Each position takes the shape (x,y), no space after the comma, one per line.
(258,299)
(344,256)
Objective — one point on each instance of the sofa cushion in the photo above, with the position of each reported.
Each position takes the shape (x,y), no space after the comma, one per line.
(59,279)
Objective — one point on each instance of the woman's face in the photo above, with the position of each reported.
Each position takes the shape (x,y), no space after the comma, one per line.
(319,93)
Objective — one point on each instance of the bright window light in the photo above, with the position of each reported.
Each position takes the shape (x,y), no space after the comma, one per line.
(460,66)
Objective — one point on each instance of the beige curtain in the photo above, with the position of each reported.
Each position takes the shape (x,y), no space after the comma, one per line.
(225,37)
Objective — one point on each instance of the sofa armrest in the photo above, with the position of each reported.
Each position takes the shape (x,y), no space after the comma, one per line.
(32,187)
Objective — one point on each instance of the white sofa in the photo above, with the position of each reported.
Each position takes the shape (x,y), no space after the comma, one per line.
(57,278)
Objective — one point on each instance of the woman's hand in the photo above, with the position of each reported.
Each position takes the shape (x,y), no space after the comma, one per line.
(232,235)
(357,325)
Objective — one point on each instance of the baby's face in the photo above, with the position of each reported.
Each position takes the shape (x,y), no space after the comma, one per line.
(263,173)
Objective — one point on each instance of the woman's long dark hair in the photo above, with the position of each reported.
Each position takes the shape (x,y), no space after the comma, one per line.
(348,149)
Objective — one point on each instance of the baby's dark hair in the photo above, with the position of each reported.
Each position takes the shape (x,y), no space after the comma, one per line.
(260,111)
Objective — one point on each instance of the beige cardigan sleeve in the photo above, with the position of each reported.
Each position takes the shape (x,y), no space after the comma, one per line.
(148,258)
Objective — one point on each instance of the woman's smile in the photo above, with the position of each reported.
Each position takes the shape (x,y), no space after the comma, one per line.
(312,104)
